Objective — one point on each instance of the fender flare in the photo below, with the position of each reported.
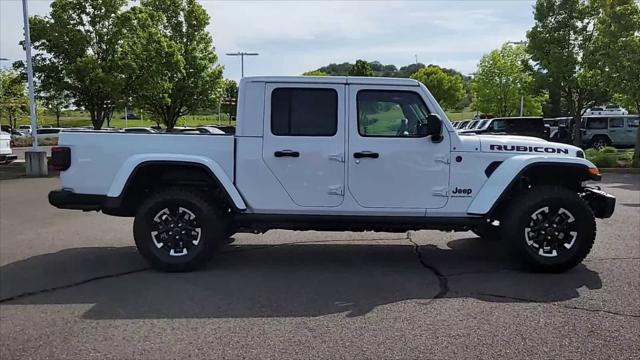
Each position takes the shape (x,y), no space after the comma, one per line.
(133,163)
(510,170)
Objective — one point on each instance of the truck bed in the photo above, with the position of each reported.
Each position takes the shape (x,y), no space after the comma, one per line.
(100,159)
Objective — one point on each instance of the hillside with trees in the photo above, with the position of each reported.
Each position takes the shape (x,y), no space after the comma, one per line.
(407,71)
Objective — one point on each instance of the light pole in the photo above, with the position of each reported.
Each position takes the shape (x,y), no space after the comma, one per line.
(242,55)
(32,102)
(36,161)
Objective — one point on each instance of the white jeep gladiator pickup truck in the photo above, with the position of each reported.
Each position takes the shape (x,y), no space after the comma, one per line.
(336,154)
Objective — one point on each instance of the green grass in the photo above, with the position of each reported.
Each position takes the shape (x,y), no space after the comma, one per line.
(465,114)
(82,119)
(609,157)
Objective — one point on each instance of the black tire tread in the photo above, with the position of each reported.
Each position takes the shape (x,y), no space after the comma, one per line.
(523,203)
(211,242)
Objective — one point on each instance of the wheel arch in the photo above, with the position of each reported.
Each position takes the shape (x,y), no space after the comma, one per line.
(510,175)
(601,135)
(189,168)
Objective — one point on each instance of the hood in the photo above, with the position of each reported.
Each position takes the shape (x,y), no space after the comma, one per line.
(525,145)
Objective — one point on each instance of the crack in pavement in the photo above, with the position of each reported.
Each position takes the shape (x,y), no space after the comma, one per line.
(569,307)
(67,286)
(443,282)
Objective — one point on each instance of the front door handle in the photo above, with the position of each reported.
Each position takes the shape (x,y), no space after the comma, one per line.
(366,154)
(283,153)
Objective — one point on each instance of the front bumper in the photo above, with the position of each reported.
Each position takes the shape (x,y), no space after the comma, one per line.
(601,203)
(65,199)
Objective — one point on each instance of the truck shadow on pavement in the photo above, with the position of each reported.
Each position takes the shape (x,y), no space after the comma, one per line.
(294,280)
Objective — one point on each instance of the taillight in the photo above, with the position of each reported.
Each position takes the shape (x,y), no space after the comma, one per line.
(60,158)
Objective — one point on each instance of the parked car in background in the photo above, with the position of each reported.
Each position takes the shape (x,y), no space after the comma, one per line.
(48,133)
(599,131)
(462,124)
(471,125)
(142,130)
(606,110)
(25,129)
(477,125)
(6,155)
(131,116)
(210,130)
(523,126)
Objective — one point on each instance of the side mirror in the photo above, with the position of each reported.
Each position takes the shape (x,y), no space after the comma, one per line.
(432,128)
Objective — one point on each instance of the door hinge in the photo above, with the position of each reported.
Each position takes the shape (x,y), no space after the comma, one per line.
(439,191)
(443,158)
(336,190)
(337,157)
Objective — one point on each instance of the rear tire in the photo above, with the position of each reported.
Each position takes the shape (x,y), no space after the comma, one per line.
(178,230)
(550,228)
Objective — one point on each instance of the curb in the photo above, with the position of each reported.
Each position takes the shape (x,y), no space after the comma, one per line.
(620,170)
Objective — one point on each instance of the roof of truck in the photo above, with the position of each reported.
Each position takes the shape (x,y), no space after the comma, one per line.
(334,80)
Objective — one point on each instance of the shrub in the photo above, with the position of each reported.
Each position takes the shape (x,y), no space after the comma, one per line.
(608,150)
(605,160)
(591,152)
(26,141)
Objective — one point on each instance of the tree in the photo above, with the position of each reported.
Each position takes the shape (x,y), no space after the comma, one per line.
(53,94)
(561,45)
(447,89)
(169,58)
(13,96)
(79,43)
(617,47)
(230,95)
(361,68)
(502,82)
(315,73)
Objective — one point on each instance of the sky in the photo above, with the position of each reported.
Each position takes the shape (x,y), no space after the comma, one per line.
(294,37)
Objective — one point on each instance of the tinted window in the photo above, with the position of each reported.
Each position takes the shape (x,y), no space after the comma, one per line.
(48,131)
(616,122)
(633,122)
(597,123)
(304,112)
(390,113)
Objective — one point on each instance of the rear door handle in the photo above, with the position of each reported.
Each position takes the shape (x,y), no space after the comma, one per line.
(283,153)
(366,154)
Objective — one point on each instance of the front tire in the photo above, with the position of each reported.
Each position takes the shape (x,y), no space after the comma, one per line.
(178,230)
(550,228)
(600,141)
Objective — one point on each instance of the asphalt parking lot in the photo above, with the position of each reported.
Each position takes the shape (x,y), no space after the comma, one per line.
(73,286)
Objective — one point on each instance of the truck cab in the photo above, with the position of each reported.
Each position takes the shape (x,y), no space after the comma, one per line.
(333,153)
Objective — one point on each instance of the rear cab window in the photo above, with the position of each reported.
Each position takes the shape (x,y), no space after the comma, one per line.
(304,112)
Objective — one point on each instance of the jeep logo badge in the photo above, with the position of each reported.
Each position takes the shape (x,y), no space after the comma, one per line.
(457,192)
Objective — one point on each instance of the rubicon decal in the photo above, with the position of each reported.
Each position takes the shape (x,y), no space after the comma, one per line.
(522,148)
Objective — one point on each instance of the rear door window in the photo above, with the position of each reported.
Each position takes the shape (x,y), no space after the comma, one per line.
(616,123)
